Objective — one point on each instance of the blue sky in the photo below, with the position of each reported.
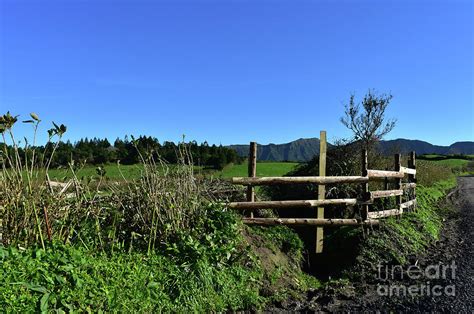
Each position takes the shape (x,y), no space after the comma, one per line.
(235,71)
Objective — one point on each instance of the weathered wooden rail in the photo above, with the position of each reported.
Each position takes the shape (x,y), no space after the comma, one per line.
(365,201)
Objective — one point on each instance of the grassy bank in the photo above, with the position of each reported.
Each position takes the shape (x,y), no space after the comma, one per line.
(230,267)
(354,252)
(398,238)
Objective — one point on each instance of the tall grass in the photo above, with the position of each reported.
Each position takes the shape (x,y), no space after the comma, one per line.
(142,213)
(163,202)
(24,197)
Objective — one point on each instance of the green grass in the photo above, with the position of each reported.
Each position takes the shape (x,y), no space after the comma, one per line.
(400,237)
(453,163)
(131,172)
(264,169)
(212,270)
(112,172)
(71,279)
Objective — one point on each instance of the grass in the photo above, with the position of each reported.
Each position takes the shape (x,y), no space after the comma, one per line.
(112,172)
(132,172)
(401,237)
(264,169)
(452,162)
(183,276)
(414,231)
(68,278)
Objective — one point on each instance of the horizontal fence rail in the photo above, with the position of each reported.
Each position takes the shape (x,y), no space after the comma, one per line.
(384,213)
(407,170)
(382,194)
(296,180)
(308,221)
(292,204)
(408,204)
(384,174)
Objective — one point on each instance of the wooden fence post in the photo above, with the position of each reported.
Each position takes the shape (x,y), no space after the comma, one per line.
(321,189)
(365,186)
(398,182)
(412,177)
(252,172)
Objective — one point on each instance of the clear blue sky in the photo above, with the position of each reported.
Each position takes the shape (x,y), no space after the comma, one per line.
(234,71)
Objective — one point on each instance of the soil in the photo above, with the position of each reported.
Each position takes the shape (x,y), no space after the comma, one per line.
(431,292)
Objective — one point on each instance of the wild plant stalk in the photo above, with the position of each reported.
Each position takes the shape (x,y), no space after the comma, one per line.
(22,193)
(165,200)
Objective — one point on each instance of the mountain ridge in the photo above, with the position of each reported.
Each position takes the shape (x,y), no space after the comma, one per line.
(303,149)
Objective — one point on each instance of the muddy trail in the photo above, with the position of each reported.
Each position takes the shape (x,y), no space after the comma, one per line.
(440,281)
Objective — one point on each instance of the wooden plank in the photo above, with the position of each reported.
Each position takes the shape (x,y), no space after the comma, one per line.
(297,180)
(412,177)
(384,213)
(308,221)
(409,185)
(57,184)
(365,186)
(291,204)
(382,194)
(321,189)
(384,174)
(408,204)
(252,171)
(408,170)
(398,183)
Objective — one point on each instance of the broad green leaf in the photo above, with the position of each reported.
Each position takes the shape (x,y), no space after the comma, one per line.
(44,302)
(34,287)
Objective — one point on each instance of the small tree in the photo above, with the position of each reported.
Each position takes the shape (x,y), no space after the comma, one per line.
(368,125)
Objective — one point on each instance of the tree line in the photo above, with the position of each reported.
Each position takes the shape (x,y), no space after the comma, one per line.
(127,151)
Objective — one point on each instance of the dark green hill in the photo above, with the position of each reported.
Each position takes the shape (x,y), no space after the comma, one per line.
(304,149)
(299,150)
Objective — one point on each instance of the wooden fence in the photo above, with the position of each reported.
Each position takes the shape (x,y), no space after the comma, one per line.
(369,215)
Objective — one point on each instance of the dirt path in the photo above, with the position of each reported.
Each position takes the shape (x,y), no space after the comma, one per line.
(455,288)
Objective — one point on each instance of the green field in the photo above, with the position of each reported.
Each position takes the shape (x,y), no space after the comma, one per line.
(113,172)
(130,172)
(452,162)
(264,169)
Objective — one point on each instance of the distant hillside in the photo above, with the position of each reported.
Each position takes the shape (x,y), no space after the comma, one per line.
(304,149)
(420,147)
(299,150)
